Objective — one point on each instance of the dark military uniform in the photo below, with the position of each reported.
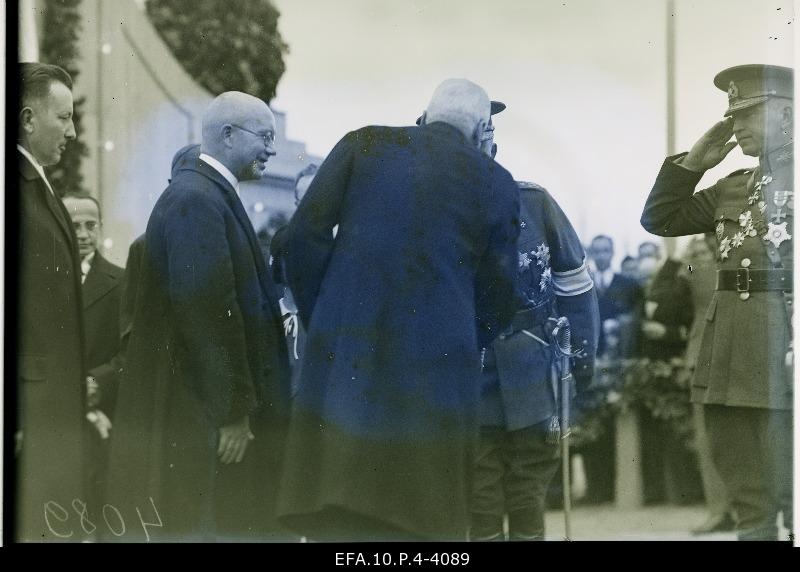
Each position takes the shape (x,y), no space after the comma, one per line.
(741,375)
(515,463)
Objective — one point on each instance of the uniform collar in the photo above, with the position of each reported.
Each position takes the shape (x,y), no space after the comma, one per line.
(779,158)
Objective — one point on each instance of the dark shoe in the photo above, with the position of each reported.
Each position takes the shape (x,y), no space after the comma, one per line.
(486,528)
(523,538)
(713,524)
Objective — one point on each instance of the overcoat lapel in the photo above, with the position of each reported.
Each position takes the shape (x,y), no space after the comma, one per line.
(244,221)
(59,212)
(98,282)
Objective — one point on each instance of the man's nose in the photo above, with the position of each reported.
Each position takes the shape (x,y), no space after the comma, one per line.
(70,134)
(81,231)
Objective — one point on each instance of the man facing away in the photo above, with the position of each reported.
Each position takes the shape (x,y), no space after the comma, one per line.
(198,437)
(516,459)
(419,277)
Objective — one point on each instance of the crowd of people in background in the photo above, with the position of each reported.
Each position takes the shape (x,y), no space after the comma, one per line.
(651,310)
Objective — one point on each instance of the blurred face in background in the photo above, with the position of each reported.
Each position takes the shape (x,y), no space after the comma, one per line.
(601,252)
(86,221)
(649,249)
(630,268)
(648,266)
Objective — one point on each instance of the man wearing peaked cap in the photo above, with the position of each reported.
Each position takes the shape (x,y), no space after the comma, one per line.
(516,461)
(419,277)
(744,368)
(752,84)
(496,107)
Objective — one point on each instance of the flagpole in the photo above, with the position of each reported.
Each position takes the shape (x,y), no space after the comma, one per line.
(670,242)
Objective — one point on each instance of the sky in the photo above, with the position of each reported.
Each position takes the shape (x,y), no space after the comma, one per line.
(584,81)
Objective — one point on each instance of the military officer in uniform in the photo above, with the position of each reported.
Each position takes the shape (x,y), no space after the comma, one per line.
(744,368)
(516,461)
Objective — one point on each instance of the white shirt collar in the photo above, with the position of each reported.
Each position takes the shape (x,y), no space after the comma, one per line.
(222,170)
(86,265)
(36,165)
(607,274)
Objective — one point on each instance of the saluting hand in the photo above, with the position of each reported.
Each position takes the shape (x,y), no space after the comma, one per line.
(711,148)
(233,440)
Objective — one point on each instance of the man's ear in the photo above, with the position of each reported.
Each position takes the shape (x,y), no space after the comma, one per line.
(225,133)
(26,119)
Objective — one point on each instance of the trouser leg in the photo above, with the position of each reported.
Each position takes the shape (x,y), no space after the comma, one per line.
(488,502)
(737,439)
(778,445)
(713,486)
(532,463)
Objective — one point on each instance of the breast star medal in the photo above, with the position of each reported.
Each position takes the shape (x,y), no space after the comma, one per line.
(777,234)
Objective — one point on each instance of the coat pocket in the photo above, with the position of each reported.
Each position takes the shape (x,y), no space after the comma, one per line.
(33,368)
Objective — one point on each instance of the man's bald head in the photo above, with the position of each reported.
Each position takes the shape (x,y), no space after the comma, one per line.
(235,126)
(462,104)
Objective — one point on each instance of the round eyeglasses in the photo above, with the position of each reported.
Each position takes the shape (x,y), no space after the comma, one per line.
(268,137)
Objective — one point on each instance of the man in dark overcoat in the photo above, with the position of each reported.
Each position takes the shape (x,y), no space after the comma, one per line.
(419,277)
(51,395)
(744,368)
(198,434)
(101,291)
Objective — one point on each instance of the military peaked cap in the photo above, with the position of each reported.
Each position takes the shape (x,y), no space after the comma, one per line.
(752,84)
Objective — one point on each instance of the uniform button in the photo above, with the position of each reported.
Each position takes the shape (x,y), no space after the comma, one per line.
(744,295)
(745,263)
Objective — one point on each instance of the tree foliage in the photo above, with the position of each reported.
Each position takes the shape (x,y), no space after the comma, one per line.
(59,46)
(224,44)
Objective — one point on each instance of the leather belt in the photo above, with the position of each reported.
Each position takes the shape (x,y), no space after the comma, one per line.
(529,318)
(759,280)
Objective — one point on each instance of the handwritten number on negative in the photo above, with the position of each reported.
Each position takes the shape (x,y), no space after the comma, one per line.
(80,508)
(52,508)
(119,518)
(146,524)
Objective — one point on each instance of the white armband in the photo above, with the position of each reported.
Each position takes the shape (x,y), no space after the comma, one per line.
(572,282)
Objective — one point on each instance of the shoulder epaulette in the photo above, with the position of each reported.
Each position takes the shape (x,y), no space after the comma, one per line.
(528,186)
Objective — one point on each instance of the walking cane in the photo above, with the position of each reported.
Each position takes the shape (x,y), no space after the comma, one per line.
(562,352)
